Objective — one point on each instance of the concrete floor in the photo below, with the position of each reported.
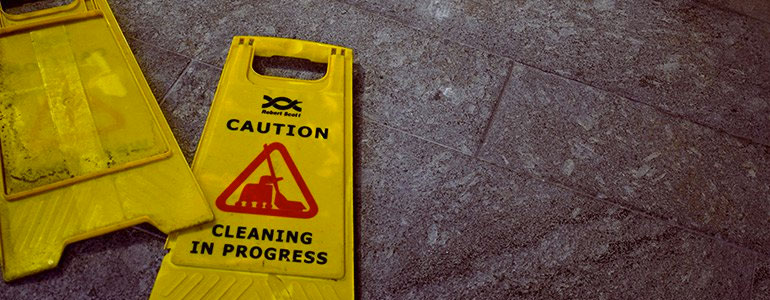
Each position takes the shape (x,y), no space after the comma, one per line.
(505,149)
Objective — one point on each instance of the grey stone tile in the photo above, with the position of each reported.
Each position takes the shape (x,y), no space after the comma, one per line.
(708,65)
(166,24)
(604,145)
(160,67)
(414,81)
(761,284)
(119,265)
(187,105)
(435,224)
(759,9)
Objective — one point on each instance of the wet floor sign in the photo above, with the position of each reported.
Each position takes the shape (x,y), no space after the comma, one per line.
(275,160)
(84,147)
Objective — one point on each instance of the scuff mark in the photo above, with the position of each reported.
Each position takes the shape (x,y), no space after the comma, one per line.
(568,167)
(433,235)
(751,170)
(641,171)
(652,156)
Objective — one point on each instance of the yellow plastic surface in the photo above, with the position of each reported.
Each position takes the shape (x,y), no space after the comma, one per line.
(282,196)
(84,147)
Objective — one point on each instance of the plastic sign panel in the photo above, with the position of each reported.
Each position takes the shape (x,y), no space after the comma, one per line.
(84,147)
(275,162)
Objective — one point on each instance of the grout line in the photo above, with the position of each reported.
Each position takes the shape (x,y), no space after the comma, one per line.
(490,52)
(163,97)
(153,234)
(177,53)
(178,78)
(653,107)
(380,123)
(590,196)
(189,62)
(207,64)
(732,11)
(495,106)
(635,210)
(153,45)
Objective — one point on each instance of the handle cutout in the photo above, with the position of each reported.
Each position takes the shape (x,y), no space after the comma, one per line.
(19,7)
(289,67)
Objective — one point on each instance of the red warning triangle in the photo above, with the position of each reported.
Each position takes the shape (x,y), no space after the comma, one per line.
(265,197)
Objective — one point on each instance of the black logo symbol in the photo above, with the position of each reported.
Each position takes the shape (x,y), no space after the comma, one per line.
(277,103)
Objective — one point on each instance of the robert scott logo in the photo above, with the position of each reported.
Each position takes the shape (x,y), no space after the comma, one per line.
(286,107)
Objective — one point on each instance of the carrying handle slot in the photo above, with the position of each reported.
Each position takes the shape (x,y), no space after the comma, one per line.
(251,47)
(22,7)
(72,10)
(268,47)
(289,67)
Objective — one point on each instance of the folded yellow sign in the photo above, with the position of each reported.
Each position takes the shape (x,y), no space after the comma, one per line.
(275,161)
(84,147)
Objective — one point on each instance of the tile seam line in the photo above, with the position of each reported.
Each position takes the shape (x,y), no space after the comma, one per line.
(189,60)
(731,11)
(176,81)
(173,52)
(655,108)
(495,107)
(695,231)
(755,253)
(380,123)
(561,186)
(158,47)
(187,65)
(207,64)
(627,98)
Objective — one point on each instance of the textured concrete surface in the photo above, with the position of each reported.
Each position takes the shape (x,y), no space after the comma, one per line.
(759,10)
(762,282)
(704,64)
(611,148)
(436,224)
(504,149)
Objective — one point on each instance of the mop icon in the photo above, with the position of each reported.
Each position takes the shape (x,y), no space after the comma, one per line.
(264,197)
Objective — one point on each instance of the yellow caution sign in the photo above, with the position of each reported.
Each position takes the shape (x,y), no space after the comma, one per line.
(275,160)
(84,147)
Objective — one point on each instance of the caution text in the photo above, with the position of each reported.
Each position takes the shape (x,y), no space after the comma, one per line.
(278,129)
